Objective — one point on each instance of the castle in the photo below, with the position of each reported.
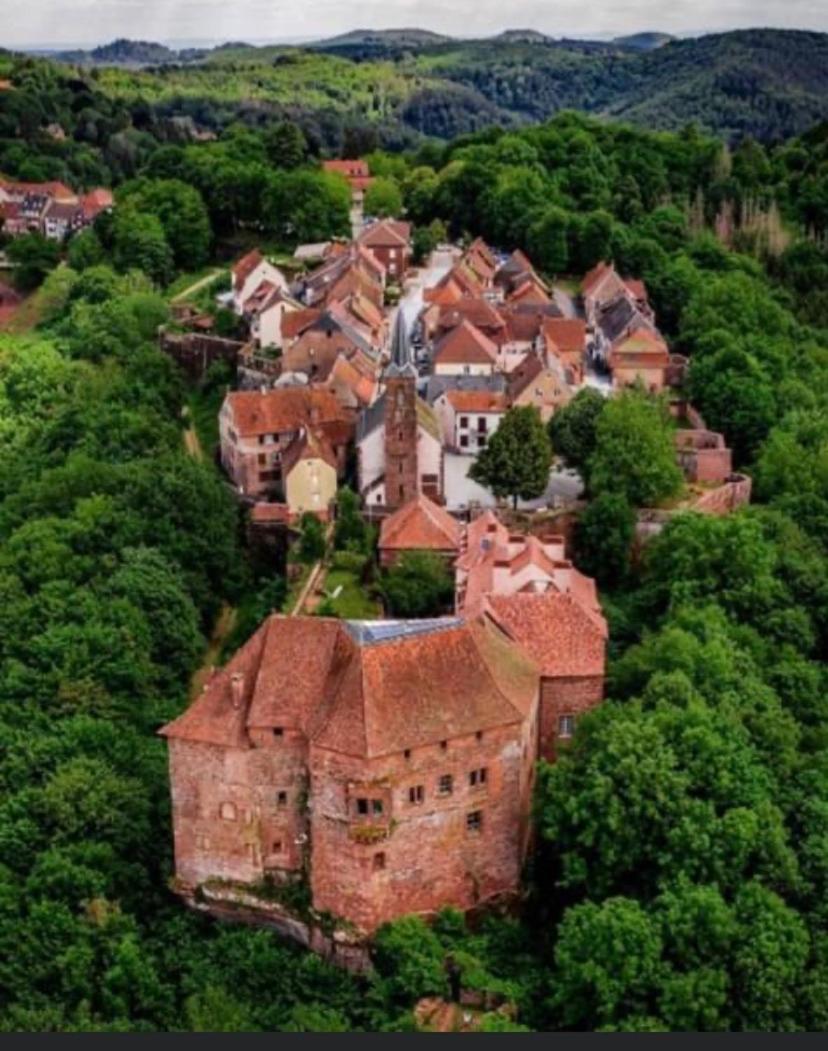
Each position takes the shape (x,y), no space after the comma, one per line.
(388,766)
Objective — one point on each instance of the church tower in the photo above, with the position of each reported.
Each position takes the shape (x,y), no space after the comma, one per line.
(401,461)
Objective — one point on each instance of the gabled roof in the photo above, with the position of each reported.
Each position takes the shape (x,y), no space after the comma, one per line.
(384,233)
(465,344)
(470,308)
(554,629)
(568,334)
(366,689)
(308,445)
(283,409)
(245,266)
(478,401)
(345,372)
(420,525)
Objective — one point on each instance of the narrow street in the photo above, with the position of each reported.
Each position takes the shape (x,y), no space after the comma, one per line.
(411,302)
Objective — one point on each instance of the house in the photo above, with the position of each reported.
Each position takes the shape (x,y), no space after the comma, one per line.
(354,270)
(357,173)
(389,242)
(543,385)
(265,311)
(565,339)
(419,525)
(442,318)
(468,418)
(309,469)
(256,428)
(614,322)
(538,598)
(464,351)
(399,447)
(387,765)
(60,220)
(249,273)
(639,357)
(355,387)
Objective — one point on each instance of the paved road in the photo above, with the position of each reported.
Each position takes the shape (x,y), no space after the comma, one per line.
(411,302)
(563,487)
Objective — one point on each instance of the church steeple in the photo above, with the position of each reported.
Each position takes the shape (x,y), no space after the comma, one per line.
(401,363)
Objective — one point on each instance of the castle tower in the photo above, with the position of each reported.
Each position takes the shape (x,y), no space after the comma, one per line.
(401,462)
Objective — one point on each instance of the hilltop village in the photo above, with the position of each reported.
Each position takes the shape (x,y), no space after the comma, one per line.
(388,764)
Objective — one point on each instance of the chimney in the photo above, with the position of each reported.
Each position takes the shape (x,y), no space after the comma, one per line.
(237,689)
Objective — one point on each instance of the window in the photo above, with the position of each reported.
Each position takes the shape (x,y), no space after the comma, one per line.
(376,806)
(379,862)
(566,725)
(407,753)
(443,745)
(276,847)
(464,441)
(479,735)
(362,806)
(464,421)
(262,459)
(281,799)
(481,441)
(416,794)
(278,731)
(474,821)
(482,424)
(228,811)
(445,785)
(477,778)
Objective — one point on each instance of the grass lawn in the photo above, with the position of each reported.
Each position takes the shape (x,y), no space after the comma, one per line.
(353,601)
(184,282)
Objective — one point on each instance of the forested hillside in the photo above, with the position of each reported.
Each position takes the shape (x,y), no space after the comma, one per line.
(766,83)
(681,878)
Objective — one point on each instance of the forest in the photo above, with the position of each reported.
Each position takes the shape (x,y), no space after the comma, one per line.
(681,873)
(401,87)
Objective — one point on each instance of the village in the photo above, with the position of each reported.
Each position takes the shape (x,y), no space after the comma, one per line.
(387,763)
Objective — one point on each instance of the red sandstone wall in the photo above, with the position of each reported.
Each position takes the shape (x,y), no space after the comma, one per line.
(430,859)
(727,498)
(565,697)
(240,847)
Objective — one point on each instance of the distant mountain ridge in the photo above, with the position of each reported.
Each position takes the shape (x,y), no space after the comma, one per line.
(404,83)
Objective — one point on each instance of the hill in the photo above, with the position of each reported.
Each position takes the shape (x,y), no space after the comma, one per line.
(405,83)
(643,41)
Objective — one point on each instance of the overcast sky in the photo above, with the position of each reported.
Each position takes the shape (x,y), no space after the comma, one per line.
(65,22)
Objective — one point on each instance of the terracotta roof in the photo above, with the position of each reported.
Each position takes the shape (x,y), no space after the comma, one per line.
(465,344)
(641,347)
(420,525)
(295,322)
(245,266)
(531,287)
(636,288)
(308,445)
(555,631)
(265,513)
(350,169)
(386,232)
(568,334)
(283,409)
(96,201)
(523,375)
(470,308)
(365,688)
(594,276)
(476,400)
(345,371)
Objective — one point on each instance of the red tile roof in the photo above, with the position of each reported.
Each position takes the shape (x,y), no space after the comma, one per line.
(386,233)
(555,631)
(465,345)
(568,334)
(309,445)
(476,401)
(420,525)
(245,266)
(366,689)
(284,409)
